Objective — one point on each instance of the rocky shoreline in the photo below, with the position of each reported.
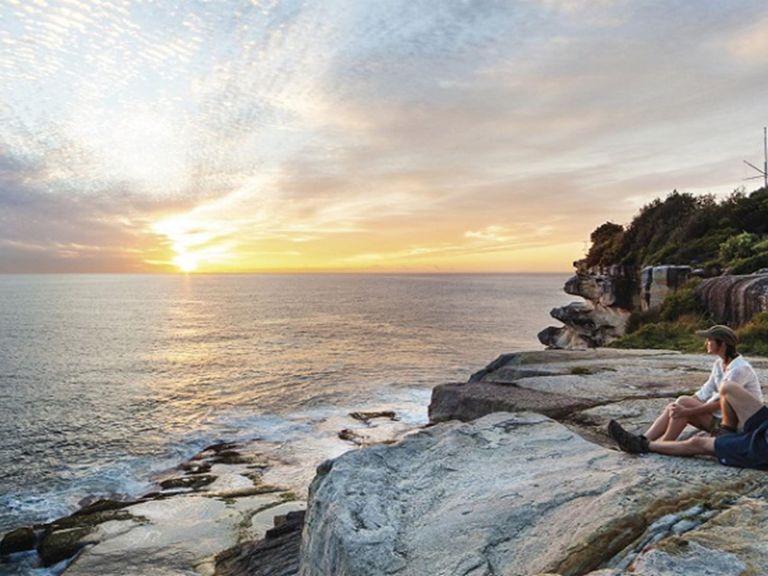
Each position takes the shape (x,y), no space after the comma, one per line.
(514,475)
(224,499)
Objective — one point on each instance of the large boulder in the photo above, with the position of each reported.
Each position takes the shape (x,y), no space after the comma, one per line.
(658,282)
(586,325)
(611,294)
(513,494)
(18,540)
(733,300)
(560,383)
(608,286)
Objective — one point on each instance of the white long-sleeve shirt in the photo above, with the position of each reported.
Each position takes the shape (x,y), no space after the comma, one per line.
(738,371)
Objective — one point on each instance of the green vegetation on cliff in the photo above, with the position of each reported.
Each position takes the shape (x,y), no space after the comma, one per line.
(700,231)
(728,236)
(670,326)
(680,335)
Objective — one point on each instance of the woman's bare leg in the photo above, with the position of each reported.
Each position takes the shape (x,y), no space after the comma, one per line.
(694,446)
(659,427)
(677,425)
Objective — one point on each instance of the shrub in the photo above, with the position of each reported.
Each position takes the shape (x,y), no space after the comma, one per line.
(753,336)
(749,265)
(738,246)
(682,302)
(663,335)
(640,318)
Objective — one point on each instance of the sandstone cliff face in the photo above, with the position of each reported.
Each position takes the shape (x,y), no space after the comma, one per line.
(520,493)
(611,294)
(657,282)
(733,300)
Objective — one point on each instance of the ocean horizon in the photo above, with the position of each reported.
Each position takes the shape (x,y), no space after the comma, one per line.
(108,379)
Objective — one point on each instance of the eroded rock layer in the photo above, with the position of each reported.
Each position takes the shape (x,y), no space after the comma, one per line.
(734,300)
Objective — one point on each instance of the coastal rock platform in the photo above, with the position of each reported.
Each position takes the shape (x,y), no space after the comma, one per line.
(206,516)
(486,492)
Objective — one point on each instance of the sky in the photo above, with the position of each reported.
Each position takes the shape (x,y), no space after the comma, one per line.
(361,135)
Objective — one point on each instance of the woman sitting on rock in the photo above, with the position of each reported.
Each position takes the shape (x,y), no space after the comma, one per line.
(706,409)
(747,449)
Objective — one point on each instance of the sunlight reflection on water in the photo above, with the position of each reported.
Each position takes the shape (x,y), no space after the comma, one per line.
(105,378)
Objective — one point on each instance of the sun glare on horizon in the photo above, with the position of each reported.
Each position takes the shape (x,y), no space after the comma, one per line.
(186,262)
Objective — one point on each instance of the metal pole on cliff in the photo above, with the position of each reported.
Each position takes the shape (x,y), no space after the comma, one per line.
(765,156)
(764,172)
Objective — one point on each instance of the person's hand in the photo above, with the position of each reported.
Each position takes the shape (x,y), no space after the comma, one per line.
(678,411)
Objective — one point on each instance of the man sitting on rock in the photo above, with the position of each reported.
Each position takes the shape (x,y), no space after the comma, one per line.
(706,410)
(746,449)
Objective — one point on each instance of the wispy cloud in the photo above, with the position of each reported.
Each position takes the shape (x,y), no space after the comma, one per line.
(290,135)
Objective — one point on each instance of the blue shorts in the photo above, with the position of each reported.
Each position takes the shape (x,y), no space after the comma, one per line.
(747,449)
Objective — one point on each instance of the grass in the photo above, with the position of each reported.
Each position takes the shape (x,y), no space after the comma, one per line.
(665,335)
(753,337)
(680,335)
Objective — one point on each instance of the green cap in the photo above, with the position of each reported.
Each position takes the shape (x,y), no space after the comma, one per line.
(720,332)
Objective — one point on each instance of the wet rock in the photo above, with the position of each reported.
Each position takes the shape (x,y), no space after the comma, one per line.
(733,300)
(214,449)
(103,505)
(58,545)
(347,435)
(193,482)
(167,537)
(18,540)
(276,555)
(229,457)
(196,467)
(367,416)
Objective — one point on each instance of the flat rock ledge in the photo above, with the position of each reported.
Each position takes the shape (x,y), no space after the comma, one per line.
(520,494)
(517,477)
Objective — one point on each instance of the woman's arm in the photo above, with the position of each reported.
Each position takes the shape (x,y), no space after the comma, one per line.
(678,411)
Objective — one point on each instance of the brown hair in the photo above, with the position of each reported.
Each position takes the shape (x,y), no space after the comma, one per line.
(730,350)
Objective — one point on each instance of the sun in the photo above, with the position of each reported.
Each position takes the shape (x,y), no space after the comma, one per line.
(186,262)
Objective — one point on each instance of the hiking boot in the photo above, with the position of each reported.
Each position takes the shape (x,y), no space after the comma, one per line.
(627,441)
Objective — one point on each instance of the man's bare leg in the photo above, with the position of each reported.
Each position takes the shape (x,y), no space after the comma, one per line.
(730,420)
(741,402)
(697,445)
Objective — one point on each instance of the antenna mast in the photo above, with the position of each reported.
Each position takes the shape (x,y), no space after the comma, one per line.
(764,171)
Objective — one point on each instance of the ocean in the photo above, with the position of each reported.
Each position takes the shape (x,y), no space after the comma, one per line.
(105,380)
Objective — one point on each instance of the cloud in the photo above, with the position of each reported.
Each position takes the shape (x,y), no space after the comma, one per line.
(325,132)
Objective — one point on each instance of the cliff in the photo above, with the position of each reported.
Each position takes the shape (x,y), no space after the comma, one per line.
(611,294)
(521,493)
(633,268)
